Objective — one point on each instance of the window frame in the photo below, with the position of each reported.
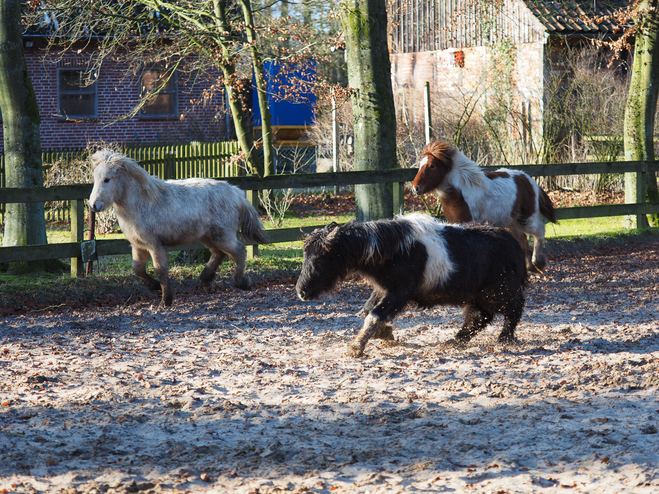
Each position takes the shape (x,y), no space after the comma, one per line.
(174,114)
(90,89)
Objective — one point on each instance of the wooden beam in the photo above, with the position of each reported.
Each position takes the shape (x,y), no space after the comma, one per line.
(77,230)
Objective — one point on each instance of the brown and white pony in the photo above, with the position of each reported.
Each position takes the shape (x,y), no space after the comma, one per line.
(506,198)
(154,214)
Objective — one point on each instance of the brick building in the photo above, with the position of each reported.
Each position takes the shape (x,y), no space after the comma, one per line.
(75,113)
(456,46)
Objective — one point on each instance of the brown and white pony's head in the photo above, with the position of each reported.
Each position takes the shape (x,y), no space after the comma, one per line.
(435,165)
(114,176)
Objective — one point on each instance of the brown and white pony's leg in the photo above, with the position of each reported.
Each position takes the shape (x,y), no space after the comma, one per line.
(520,235)
(161,267)
(140,258)
(536,228)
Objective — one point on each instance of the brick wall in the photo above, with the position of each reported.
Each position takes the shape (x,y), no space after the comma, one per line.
(452,87)
(118,93)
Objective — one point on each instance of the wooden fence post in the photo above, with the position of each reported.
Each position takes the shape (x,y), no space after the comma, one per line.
(635,192)
(253,199)
(399,197)
(427,111)
(90,236)
(77,229)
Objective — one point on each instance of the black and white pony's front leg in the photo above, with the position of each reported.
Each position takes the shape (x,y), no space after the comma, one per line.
(375,323)
(384,332)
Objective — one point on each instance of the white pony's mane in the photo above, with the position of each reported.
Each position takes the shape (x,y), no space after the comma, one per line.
(151,186)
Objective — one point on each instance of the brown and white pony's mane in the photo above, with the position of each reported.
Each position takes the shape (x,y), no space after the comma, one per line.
(467,169)
(152,187)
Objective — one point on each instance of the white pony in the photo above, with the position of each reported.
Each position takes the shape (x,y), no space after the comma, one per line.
(154,214)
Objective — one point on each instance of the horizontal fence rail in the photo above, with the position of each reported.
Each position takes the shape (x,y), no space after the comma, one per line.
(166,161)
(77,193)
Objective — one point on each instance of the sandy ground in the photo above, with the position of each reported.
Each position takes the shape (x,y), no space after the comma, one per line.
(251,392)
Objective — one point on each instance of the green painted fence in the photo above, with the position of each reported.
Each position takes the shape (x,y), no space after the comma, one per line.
(167,161)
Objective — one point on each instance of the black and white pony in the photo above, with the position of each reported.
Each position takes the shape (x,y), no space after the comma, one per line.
(506,198)
(154,214)
(415,258)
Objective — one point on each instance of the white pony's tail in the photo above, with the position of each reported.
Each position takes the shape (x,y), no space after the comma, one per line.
(251,227)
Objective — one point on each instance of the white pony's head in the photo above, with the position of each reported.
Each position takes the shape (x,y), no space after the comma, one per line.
(114,174)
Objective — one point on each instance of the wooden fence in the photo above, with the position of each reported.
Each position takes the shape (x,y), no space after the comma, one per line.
(167,161)
(78,193)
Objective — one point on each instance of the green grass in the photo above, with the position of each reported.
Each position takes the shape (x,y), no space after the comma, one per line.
(587,226)
(114,281)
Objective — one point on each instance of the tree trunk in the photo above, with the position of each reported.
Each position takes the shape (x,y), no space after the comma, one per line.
(235,99)
(369,75)
(642,105)
(261,90)
(24,223)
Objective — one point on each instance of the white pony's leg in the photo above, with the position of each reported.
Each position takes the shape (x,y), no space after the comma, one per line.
(161,267)
(217,257)
(140,258)
(238,253)
(236,250)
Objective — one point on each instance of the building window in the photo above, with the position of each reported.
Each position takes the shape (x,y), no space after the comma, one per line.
(76,94)
(458,59)
(165,103)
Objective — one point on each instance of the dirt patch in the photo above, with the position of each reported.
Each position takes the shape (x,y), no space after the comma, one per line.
(252,392)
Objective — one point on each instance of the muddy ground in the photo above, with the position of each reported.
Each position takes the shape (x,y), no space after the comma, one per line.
(251,392)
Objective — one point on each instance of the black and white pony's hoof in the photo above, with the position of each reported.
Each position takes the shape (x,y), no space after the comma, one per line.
(243,284)
(507,340)
(355,350)
(455,343)
(384,332)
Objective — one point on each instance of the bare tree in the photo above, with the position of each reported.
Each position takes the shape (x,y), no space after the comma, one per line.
(369,75)
(24,223)
(204,37)
(642,99)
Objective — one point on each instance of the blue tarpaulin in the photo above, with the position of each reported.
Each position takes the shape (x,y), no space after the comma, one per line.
(289,101)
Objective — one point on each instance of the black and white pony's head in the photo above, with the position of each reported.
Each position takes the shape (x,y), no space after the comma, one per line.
(333,252)
(322,267)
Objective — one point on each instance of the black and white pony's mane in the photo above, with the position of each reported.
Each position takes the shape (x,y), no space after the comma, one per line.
(372,242)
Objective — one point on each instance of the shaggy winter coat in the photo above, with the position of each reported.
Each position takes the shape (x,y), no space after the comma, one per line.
(155,214)
(415,258)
